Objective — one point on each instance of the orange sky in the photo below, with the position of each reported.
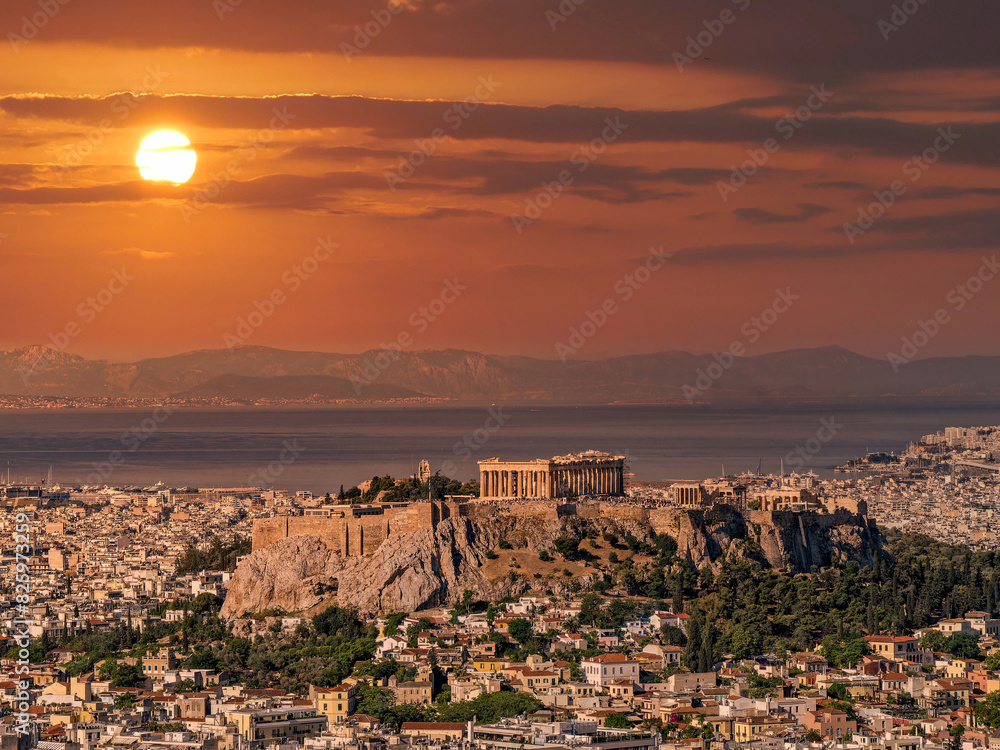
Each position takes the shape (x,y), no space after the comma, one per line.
(296,142)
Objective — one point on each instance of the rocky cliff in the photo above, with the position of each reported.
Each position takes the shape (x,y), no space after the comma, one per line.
(432,567)
(407,572)
(784,540)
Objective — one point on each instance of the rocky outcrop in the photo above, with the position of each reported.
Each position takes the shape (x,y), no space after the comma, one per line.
(406,573)
(789,541)
(432,567)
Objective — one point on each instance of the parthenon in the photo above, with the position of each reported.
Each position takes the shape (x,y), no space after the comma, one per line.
(587,473)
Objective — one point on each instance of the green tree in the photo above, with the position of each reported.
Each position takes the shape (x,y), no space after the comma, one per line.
(375,701)
(694,635)
(956,732)
(934,640)
(124,701)
(489,708)
(567,545)
(617,721)
(392,623)
(678,601)
(128,675)
(744,642)
(964,645)
(520,630)
(672,635)
(987,711)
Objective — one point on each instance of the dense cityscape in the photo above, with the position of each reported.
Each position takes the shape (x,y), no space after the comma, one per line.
(130,643)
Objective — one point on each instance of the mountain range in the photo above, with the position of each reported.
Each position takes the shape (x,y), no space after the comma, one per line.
(255,372)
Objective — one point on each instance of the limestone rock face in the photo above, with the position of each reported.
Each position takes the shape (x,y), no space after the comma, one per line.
(295,573)
(433,567)
(407,572)
(784,540)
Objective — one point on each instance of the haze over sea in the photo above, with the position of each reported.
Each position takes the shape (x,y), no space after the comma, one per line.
(231,447)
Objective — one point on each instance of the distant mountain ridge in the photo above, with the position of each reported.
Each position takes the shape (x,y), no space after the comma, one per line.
(254,372)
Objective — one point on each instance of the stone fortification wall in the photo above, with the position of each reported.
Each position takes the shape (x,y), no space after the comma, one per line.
(353,535)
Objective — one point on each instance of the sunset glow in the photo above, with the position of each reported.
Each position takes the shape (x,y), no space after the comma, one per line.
(534,151)
(165,156)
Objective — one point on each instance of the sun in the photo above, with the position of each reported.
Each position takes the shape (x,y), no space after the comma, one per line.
(166,156)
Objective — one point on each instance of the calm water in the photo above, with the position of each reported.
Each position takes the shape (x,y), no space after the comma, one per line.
(345,446)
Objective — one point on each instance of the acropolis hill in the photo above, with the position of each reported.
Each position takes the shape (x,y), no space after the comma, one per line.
(588,485)
(406,556)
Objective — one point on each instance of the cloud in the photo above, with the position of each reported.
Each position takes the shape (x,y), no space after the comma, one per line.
(138,190)
(837,184)
(142,254)
(957,230)
(469,176)
(17,174)
(948,192)
(575,126)
(800,39)
(759,216)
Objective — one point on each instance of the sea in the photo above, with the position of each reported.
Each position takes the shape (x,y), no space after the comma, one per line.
(320,449)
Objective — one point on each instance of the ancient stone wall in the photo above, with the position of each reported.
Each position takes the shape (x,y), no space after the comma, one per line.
(267,531)
(350,535)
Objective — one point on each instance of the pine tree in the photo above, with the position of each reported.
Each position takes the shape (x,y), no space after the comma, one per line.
(678,601)
(693,647)
(705,660)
